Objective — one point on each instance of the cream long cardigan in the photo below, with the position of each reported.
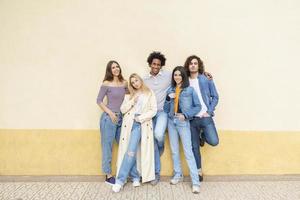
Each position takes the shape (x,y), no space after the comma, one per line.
(145,152)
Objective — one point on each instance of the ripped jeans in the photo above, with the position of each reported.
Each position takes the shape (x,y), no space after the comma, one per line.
(128,165)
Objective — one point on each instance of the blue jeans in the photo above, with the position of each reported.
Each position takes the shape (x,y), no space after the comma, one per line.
(129,161)
(160,121)
(207,125)
(109,132)
(181,129)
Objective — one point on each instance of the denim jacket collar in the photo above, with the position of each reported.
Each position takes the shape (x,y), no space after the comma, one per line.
(173,89)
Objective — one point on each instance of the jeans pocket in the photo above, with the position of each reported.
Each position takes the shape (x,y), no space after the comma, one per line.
(182,123)
(207,120)
(103,120)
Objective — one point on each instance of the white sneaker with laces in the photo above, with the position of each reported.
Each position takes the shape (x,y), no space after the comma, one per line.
(136,184)
(176,180)
(116,188)
(196,189)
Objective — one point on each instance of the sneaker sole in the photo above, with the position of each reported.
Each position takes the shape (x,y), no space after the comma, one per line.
(108,183)
(117,191)
(154,183)
(177,182)
(136,185)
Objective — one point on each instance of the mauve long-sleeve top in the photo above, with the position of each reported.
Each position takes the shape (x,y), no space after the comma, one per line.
(115,96)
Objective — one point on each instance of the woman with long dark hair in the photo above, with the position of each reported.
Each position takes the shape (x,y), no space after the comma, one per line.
(114,88)
(182,104)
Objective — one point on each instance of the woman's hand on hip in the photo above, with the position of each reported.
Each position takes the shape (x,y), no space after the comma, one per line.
(180,116)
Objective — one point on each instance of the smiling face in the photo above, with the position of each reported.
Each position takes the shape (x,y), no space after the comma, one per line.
(135,83)
(115,69)
(177,77)
(155,66)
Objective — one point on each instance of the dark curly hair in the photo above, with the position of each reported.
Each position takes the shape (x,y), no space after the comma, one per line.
(157,55)
(200,64)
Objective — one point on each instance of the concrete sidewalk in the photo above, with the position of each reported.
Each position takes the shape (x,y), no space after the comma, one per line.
(86,187)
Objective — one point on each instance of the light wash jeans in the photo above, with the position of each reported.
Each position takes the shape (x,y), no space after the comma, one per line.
(160,121)
(207,125)
(109,132)
(181,129)
(129,161)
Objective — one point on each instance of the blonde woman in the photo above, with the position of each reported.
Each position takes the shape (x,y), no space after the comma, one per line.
(136,147)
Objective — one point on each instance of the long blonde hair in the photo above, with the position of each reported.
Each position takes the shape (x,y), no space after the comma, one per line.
(143,87)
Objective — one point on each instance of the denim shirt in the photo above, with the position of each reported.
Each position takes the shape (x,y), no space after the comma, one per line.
(209,93)
(188,102)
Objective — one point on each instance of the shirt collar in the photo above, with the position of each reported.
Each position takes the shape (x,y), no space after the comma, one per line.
(160,73)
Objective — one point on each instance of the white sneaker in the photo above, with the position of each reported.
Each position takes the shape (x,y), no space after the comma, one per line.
(174,181)
(136,184)
(116,188)
(196,189)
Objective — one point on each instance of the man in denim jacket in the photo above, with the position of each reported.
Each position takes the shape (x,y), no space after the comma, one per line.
(208,97)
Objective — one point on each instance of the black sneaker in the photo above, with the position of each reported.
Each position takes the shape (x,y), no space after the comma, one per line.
(200,178)
(202,142)
(110,180)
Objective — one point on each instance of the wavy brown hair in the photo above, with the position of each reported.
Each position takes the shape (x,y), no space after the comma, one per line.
(108,74)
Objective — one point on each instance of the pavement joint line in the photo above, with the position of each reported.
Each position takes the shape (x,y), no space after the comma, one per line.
(100,178)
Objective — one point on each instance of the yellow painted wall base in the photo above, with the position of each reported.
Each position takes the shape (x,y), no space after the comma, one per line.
(77,152)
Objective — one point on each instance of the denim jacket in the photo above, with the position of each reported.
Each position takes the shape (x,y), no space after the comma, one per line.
(188,102)
(209,93)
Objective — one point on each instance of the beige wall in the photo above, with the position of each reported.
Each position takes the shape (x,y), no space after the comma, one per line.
(53,55)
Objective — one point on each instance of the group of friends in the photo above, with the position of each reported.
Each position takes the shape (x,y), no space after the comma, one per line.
(138,112)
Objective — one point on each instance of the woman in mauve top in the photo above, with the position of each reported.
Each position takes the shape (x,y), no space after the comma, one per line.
(114,87)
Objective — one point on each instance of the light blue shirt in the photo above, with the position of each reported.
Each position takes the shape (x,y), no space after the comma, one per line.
(160,85)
